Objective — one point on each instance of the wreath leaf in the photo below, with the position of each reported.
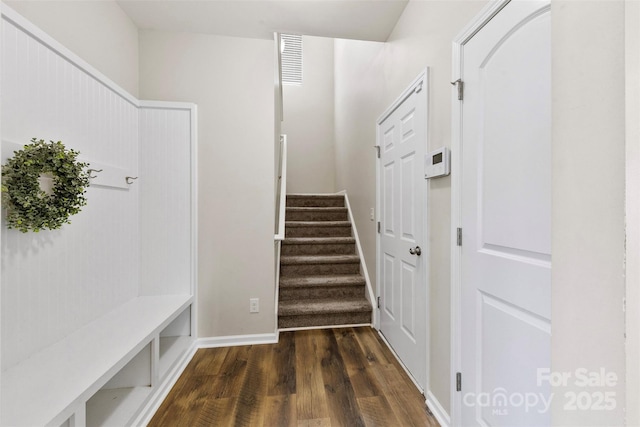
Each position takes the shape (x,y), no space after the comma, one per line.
(28,206)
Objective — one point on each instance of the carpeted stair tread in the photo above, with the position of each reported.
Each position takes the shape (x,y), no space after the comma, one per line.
(317,228)
(313,213)
(317,224)
(316,196)
(323,306)
(316,208)
(315,200)
(317,240)
(314,281)
(319,259)
(314,243)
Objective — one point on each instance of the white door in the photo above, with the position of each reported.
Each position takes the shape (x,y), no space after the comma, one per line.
(506,218)
(402,260)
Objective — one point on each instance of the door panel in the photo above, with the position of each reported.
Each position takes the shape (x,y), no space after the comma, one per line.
(409,301)
(506,217)
(388,287)
(408,198)
(516,213)
(505,327)
(388,200)
(403,286)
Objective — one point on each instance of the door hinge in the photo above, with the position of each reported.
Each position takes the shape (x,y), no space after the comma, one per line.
(377,147)
(378,302)
(460,86)
(459,236)
(458,381)
(378,226)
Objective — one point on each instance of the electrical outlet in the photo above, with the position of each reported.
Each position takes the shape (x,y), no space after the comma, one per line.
(254,305)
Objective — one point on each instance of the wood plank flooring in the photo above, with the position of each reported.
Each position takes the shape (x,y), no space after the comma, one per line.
(330,377)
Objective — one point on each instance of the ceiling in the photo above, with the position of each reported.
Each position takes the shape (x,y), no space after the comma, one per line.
(350,19)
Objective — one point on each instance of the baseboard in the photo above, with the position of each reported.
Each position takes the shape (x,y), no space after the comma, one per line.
(310,328)
(235,340)
(437,410)
(163,389)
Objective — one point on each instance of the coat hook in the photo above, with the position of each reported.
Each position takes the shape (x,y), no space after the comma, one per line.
(93,170)
(130,179)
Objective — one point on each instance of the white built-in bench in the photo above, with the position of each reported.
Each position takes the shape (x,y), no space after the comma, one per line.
(105,372)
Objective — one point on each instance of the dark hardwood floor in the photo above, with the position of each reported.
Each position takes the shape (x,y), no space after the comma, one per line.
(331,377)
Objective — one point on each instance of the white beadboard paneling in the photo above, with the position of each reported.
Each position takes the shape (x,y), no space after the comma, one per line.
(165,200)
(57,281)
(69,312)
(92,117)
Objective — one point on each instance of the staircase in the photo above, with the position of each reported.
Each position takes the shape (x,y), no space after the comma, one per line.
(320,279)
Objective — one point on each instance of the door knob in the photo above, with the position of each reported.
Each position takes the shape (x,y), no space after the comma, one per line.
(415,251)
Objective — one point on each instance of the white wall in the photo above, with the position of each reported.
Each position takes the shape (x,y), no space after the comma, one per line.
(97,31)
(360,97)
(368,78)
(308,121)
(231,81)
(588,216)
(277,113)
(632,77)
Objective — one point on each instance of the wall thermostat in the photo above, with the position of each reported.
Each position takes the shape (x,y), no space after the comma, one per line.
(437,163)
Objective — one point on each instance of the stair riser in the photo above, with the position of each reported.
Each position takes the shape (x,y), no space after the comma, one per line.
(318,231)
(318,269)
(320,249)
(316,215)
(321,292)
(316,202)
(323,319)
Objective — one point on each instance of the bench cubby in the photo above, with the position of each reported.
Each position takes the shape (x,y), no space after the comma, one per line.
(109,365)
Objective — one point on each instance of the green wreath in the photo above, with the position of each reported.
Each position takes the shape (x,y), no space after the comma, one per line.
(28,206)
